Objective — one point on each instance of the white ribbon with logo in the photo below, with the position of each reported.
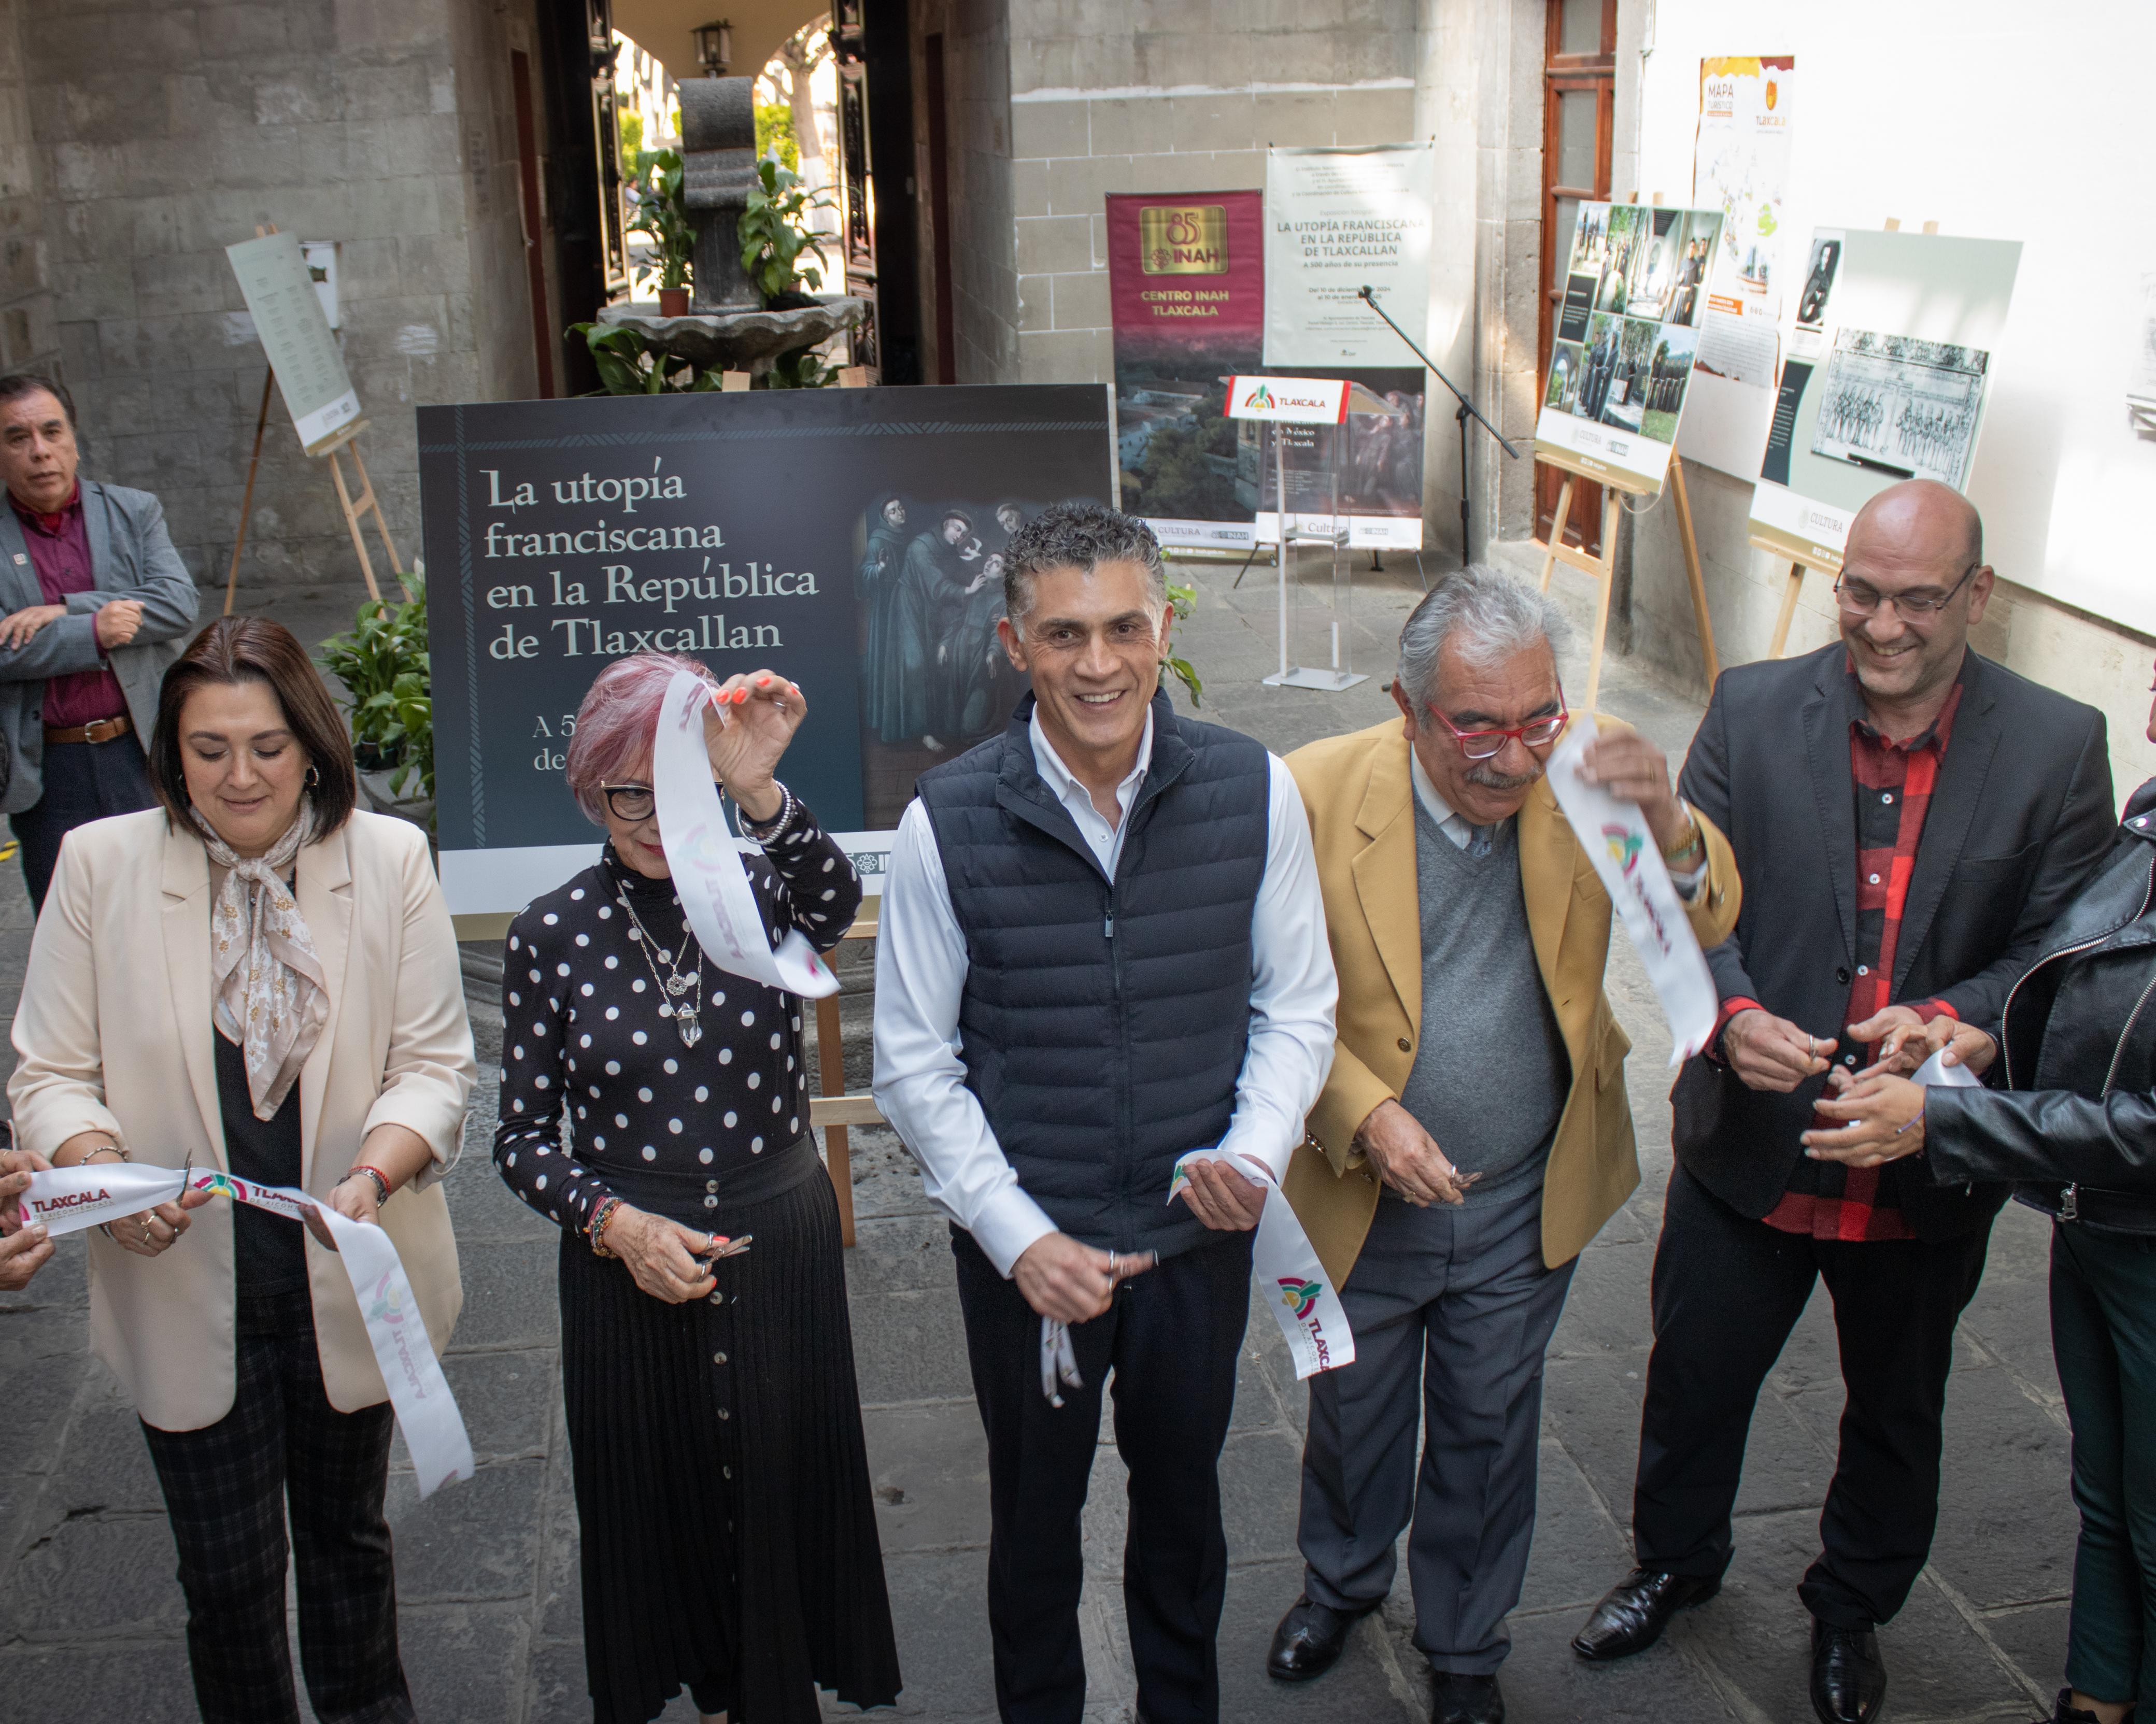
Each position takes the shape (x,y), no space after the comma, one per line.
(69,1199)
(706,861)
(1304,1301)
(1617,841)
(1305,1304)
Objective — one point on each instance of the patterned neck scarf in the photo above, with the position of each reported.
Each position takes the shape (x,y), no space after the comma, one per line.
(271,995)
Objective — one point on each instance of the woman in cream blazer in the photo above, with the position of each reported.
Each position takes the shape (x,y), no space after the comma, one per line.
(148,957)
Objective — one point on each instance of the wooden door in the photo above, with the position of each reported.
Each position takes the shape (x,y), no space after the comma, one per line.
(1579,90)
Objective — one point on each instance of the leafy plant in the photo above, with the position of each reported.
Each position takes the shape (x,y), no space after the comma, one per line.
(631,124)
(388,686)
(629,365)
(774,232)
(804,368)
(661,214)
(1185,600)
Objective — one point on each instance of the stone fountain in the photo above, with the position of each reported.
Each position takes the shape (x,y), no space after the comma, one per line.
(727,325)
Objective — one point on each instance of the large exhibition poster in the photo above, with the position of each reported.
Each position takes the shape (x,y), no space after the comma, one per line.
(1337,221)
(1741,166)
(1888,376)
(850,539)
(1628,330)
(1186,297)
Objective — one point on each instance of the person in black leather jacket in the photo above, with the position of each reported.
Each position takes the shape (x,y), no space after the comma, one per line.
(2070,1115)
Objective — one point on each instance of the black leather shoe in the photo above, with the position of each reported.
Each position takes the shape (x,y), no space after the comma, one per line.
(1465,1700)
(1310,1640)
(1849,1678)
(1633,1612)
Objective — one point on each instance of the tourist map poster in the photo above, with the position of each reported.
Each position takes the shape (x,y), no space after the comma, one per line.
(1886,378)
(1741,166)
(1187,290)
(1627,331)
(850,539)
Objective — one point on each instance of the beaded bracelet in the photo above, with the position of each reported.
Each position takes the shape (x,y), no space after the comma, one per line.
(595,1228)
(764,831)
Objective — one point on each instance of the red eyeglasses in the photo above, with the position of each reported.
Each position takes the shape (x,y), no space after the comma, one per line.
(1486,745)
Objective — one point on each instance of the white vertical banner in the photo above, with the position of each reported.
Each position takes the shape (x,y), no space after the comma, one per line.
(1617,841)
(1335,222)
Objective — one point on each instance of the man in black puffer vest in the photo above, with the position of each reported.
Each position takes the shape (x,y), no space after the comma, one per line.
(1102,947)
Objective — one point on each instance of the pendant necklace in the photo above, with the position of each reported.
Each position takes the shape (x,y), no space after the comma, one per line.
(681,997)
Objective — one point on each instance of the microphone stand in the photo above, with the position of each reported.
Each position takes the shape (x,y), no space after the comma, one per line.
(1465,411)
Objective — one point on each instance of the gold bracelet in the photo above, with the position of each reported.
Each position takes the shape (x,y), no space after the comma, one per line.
(1697,841)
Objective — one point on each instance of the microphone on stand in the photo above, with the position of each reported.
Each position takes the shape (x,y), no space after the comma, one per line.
(1466,410)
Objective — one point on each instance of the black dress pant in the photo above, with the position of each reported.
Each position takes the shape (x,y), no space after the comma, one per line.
(83,781)
(1727,1290)
(1172,1339)
(227,1487)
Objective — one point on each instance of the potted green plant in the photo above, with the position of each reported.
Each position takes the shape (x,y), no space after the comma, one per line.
(381,663)
(774,233)
(663,217)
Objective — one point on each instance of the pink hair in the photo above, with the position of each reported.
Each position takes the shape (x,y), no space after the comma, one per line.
(617,722)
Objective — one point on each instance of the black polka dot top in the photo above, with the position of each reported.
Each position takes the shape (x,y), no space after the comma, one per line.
(590,1031)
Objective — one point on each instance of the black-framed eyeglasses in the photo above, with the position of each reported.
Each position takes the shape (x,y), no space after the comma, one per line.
(630,802)
(1860,599)
(1487,744)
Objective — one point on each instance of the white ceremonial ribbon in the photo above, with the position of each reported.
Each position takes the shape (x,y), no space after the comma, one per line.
(1058,1360)
(1953,1077)
(707,864)
(68,1199)
(1622,847)
(1303,1300)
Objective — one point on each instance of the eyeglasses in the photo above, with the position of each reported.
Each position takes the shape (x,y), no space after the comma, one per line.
(1487,744)
(630,802)
(1860,599)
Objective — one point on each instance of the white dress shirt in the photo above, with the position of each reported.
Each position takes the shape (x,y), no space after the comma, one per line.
(921,977)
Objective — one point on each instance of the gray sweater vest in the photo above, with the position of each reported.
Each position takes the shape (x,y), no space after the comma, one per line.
(1490,1074)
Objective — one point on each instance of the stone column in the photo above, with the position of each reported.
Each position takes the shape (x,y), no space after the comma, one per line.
(718,172)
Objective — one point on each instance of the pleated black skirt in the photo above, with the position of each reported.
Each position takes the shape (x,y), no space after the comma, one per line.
(729,1538)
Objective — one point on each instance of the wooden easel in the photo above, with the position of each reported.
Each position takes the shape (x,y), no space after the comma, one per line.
(365,503)
(1794,585)
(835,1110)
(1602,569)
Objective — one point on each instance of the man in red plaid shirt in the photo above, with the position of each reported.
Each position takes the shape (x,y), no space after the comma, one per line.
(1907,819)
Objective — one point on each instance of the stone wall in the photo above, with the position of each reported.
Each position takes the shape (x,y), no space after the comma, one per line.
(1123,95)
(29,332)
(1478,93)
(171,130)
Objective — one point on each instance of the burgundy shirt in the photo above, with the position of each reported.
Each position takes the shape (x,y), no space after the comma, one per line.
(60,551)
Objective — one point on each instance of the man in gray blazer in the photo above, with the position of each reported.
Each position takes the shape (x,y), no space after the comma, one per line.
(97,602)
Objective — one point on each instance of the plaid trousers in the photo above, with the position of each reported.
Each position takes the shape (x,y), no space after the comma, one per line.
(227,1487)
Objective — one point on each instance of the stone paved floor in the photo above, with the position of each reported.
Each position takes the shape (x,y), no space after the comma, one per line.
(90,1620)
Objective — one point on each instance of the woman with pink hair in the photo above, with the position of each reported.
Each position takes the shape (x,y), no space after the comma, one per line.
(656,1107)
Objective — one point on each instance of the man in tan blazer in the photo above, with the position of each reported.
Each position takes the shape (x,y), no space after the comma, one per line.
(1473,1134)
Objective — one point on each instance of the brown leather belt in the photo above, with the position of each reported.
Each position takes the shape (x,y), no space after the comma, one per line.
(104,730)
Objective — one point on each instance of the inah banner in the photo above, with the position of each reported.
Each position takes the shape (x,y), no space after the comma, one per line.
(1186,296)
(1627,332)
(850,539)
